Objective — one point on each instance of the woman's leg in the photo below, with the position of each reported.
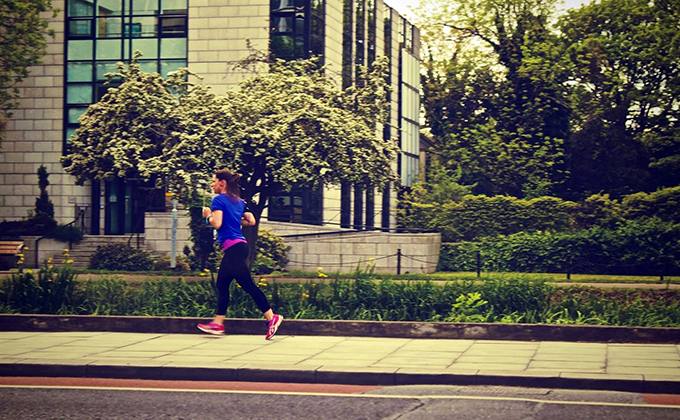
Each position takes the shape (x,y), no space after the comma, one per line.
(241,272)
(224,278)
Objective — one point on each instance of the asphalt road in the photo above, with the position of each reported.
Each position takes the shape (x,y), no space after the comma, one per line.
(136,401)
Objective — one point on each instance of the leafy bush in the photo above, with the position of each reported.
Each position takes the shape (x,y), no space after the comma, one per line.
(163,264)
(121,257)
(642,247)
(46,291)
(512,299)
(68,233)
(479,216)
(271,253)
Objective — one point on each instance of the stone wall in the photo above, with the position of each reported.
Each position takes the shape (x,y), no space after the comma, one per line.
(158,232)
(319,246)
(345,250)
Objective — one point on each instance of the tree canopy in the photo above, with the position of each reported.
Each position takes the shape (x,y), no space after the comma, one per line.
(527,103)
(22,44)
(287,126)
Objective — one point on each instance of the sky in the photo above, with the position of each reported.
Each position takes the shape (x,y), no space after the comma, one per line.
(402,5)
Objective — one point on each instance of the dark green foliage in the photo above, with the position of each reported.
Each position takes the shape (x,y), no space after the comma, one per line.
(201,235)
(510,299)
(479,216)
(121,257)
(22,45)
(642,247)
(47,291)
(43,204)
(66,233)
(270,253)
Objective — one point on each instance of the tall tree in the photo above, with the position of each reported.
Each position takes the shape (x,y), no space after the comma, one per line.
(625,60)
(293,127)
(283,127)
(513,140)
(23,28)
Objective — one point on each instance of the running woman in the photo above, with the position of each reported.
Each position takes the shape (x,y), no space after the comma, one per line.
(227,213)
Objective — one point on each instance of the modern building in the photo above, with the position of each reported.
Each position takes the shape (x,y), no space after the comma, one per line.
(208,37)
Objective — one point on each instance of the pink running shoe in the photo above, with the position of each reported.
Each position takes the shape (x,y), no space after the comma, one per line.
(274,326)
(212,328)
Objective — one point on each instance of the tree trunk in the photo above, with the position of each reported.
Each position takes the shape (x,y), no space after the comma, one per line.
(251,233)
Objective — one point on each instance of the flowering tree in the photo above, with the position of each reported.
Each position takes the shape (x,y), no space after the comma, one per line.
(288,126)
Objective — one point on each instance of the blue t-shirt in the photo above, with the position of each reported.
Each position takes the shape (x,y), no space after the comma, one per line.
(232,211)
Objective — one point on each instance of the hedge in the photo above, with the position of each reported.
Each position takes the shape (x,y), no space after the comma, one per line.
(644,247)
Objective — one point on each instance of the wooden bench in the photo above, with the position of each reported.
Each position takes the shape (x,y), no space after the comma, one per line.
(9,250)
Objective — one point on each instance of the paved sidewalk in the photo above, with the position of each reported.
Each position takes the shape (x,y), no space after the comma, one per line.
(345,360)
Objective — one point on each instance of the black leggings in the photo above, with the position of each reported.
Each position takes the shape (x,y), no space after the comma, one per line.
(234,266)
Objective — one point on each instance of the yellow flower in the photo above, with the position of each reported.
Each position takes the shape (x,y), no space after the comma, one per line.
(371,259)
(29,271)
(206,270)
(50,267)
(322,275)
(203,274)
(69,261)
(49,260)
(319,269)
(305,295)
(65,250)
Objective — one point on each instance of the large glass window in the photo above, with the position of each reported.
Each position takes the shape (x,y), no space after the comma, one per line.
(297,28)
(410,111)
(100,33)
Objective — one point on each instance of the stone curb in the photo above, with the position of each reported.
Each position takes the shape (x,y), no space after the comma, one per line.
(396,329)
(327,376)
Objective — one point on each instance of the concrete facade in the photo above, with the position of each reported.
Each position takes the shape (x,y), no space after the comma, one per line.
(219,34)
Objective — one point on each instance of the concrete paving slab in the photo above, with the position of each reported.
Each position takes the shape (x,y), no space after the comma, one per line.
(356,363)
(641,355)
(561,357)
(50,355)
(407,361)
(438,345)
(602,351)
(16,335)
(425,354)
(465,358)
(519,367)
(665,363)
(211,352)
(128,362)
(669,372)
(359,360)
(128,354)
(588,366)
(249,357)
(154,346)
(490,351)
(203,361)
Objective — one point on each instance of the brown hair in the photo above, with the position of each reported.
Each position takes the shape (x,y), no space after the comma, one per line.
(232,181)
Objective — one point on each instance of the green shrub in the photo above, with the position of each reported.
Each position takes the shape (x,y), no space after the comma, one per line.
(271,253)
(68,233)
(163,264)
(638,247)
(46,291)
(121,257)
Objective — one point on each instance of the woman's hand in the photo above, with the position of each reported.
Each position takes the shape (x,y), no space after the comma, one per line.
(206,211)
